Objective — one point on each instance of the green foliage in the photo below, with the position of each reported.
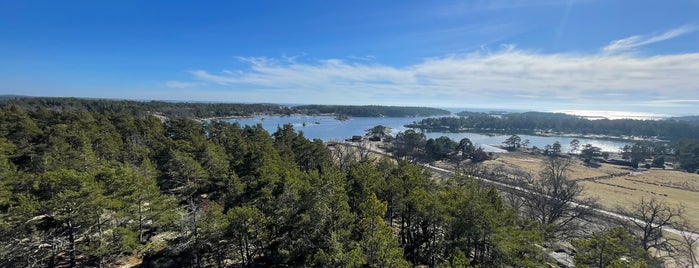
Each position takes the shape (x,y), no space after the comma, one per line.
(638,152)
(574,145)
(91,182)
(478,222)
(208,110)
(247,230)
(615,248)
(466,148)
(307,155)
(410,144)
(479,155)
(513,143)
(370,110)
(7,172)
(142,208)
(440,148)
(658,162)
(70,203)
(589,153)
(362,181)
(379,131)
(140,108)
(556,148)
(377,241)
(531,122)
(183,175)
(687,151)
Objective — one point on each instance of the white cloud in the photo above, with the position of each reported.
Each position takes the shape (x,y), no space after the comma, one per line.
(638,40)
(508,75)
(476,75)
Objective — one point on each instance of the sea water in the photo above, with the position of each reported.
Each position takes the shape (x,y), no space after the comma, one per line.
(327,128)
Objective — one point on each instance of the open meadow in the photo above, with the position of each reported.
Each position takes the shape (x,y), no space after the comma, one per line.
(673,187)
(617,186)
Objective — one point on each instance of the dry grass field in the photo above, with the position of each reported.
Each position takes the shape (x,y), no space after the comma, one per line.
(533,164)
(661,184)
(625,187)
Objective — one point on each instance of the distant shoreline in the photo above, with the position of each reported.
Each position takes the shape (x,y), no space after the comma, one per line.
(234,117)
(544,134)
(340,117)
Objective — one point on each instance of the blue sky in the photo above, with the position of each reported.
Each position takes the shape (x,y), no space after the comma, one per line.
(533,55)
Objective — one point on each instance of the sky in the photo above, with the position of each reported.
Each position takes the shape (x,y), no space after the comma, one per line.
(540,55)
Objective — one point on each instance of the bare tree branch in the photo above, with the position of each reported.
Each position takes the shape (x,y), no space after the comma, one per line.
(651,217)
(555,201)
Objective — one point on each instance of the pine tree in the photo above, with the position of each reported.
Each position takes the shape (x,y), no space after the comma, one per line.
(380,246)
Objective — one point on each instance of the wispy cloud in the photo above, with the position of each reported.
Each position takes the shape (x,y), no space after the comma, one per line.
(683,102)
(362,58)
(462,7)
(642,40)
(510,74)
(507,4)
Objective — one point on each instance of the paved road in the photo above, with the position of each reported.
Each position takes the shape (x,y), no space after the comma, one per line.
(374,149)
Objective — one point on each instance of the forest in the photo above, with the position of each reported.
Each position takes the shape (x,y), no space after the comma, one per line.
(100,189)
(203,110)
(142,108)
(371,110)
(557,123)
(93,189)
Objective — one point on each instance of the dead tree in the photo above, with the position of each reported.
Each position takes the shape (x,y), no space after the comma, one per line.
(346,153)
(689,243)
(556,201)
(362,150)
(651,216)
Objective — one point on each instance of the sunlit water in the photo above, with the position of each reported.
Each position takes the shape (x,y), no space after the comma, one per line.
(328,128)
(601,114)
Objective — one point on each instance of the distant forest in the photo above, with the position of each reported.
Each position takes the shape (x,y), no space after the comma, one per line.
(209,110)
(691,118)
(371,110)
(530,122)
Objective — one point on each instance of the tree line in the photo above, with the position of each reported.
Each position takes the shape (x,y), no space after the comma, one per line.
(685,153)
(370,110)
(142,108)
(531,122)
(414,146)
(211,110)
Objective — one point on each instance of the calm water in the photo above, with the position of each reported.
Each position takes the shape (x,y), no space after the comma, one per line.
(327,128)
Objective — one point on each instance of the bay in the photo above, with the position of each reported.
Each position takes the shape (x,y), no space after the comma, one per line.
(327,128)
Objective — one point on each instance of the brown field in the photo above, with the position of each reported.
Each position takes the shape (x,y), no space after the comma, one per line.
(623,191)
(532,164)
(626,187)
